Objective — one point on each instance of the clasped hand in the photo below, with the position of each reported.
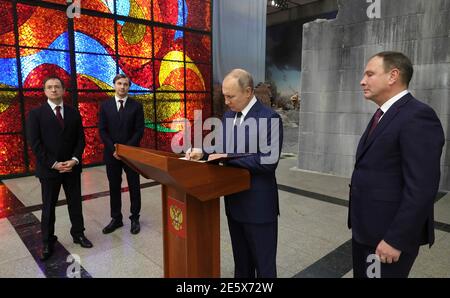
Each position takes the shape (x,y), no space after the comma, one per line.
(65,166)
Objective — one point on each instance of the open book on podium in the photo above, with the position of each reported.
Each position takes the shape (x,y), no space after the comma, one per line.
(191,207)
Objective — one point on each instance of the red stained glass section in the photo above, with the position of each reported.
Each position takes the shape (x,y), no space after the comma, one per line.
(11,154)
(93,152)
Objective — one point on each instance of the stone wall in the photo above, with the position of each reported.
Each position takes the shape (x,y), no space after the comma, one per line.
(334,113)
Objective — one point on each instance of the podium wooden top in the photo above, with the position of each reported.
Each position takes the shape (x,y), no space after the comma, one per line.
(201,180)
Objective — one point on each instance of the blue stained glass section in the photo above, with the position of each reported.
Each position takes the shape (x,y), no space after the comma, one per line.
(62,59)
(101,67)
(181,18)
(123,9)
(60,43)
(85,43)
(8,69)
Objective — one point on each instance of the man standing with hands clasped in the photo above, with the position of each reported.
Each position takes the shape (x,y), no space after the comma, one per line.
(55,134)
(397,172)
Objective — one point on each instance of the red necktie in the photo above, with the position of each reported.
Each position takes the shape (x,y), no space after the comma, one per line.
(376,119)
(59,116)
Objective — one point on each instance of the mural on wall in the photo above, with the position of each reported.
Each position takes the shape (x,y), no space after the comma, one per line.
(284,53)
(164,46)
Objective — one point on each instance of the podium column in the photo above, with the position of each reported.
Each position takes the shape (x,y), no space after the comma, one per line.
(191,235)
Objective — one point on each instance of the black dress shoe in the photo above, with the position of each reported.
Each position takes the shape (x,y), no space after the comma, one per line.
(47,251)
(112,226)
(135,227)
(83,241)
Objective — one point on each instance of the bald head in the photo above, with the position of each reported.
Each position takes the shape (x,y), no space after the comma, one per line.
(243,77)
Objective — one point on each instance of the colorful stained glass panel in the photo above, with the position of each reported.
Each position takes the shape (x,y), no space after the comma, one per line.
(36,67)
(200,102)
(10,112)
(93,152)
(171,12)
(106,6)
(6,23)
(95,71)
(11,154)
(34,32)
(94,35)
(170,76)
(168,45)
(139,9)
(140,71)
(198,77)
(8,68)
(134,40)
(198,47)
(169,106)
(148,140)
(199,16)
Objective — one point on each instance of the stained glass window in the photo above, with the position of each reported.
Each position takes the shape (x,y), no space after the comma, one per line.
(94,39)
(199,16)
(198,47)
(8,68)
(34,32)
(164,46)
(105,6)
(7,23)
(11,154)
(36,67)
(10,112)
(139,9)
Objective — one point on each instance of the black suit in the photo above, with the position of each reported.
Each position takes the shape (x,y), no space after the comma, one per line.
(126,127)
(52,143)
(394,183)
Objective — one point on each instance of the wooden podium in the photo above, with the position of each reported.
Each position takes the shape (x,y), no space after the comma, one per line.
(190,206)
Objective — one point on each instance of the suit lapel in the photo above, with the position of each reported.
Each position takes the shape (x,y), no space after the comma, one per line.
(363,139)
(366,141)
(67,115)
(253,111)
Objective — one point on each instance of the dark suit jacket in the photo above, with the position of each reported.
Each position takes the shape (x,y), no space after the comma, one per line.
(51,143)
(259,204)
(396,178)
(128,130)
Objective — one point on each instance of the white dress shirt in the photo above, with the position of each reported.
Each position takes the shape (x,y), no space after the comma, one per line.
(385,107)
(245,110)
(118,103)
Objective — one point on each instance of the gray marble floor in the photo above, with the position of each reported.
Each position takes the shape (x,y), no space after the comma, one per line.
(313,237)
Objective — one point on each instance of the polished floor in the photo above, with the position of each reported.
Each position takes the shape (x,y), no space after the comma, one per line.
(313,238)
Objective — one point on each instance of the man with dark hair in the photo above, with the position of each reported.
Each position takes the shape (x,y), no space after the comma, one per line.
(55,134)
(396,175)
(121,122)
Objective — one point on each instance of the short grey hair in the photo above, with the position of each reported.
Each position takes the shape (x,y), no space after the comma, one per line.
(243,77)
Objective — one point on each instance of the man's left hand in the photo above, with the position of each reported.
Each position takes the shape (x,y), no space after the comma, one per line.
(387,253)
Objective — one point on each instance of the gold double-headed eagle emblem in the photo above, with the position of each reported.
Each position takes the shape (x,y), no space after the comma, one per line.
(176,216)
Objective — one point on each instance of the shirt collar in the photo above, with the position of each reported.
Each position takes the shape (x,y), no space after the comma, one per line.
(53,106)
(124,99)
(385,107)
(248,107)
